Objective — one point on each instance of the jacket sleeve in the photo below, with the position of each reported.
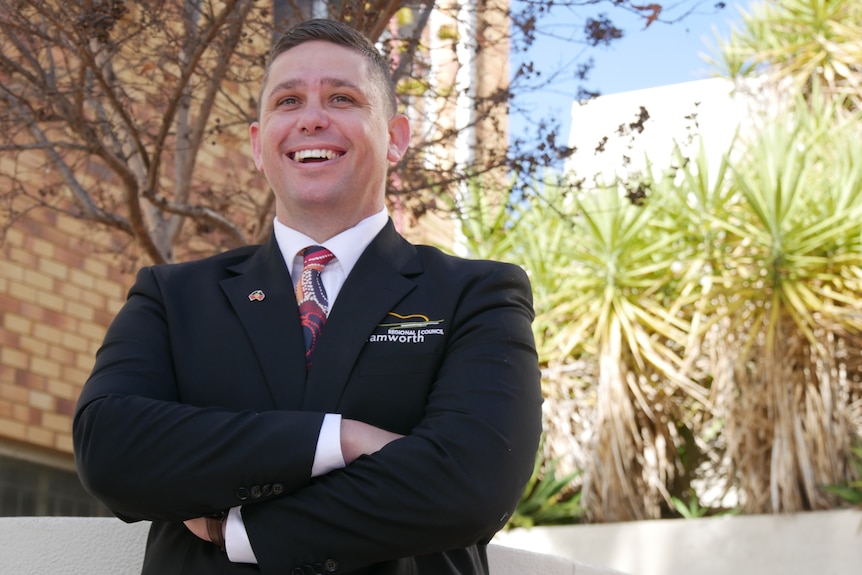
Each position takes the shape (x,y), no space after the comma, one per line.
(455,479)
(147,453)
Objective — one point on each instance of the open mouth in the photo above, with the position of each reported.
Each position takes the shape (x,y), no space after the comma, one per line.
(316,155)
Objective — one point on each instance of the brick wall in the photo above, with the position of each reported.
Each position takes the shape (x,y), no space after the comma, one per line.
(57,296)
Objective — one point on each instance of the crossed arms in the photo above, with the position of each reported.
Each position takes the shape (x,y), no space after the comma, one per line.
(448,482)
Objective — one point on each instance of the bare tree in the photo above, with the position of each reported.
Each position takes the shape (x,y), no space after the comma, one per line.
(134,115)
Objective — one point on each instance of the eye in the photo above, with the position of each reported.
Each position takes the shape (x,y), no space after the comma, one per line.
(342,99)
(284,101)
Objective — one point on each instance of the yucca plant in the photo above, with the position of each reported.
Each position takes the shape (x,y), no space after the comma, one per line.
(799,43)
(698,198)
(790,284)
(622,307)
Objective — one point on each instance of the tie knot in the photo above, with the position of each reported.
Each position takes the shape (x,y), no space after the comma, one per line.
(317,256)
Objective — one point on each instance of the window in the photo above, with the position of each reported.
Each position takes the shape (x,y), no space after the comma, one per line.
(31,489)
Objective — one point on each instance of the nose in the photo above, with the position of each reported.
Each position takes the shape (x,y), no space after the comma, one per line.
(312,119)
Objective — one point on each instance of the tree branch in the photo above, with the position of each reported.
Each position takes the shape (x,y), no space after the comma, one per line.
(89,207)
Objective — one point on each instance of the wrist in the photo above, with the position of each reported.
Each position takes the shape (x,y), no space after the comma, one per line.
(216,530)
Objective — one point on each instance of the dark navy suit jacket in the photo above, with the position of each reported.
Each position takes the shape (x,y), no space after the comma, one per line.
(199,401)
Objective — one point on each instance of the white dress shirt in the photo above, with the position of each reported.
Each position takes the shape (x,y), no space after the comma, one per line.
(346,247)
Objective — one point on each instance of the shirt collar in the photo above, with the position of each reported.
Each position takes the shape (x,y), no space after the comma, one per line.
(347,246)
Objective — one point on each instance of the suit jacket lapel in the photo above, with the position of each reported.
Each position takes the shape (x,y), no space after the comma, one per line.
(379,280)
(271,323)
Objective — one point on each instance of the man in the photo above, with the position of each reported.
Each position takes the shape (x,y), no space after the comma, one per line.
(399,442)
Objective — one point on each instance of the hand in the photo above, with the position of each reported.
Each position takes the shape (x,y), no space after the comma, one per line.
(198,526)
(209,529)
(358,438)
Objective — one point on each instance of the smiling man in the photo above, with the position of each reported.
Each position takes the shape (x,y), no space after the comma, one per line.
(336,400)
(327,133)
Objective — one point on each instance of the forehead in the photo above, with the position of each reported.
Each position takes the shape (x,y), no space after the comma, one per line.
(315,62)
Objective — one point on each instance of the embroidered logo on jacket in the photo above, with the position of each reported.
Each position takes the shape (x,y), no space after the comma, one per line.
(411,328)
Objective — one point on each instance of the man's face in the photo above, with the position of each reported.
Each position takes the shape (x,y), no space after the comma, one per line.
(324,141)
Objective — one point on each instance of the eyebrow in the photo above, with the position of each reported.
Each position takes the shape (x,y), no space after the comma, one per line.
(299,83)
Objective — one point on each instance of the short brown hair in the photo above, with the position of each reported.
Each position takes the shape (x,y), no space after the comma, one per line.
(339,33)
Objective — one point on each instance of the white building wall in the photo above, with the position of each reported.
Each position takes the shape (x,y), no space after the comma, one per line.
(677,114)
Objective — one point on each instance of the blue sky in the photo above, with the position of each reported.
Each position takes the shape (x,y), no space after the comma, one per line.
(659,55)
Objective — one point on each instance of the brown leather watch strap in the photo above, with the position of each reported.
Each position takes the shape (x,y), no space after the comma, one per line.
(215,529)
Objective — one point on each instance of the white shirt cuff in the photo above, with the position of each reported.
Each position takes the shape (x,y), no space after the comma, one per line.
(328,456)
(236,542)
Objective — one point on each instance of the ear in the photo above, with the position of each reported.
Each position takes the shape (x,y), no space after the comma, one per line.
(254,133)
(399,137)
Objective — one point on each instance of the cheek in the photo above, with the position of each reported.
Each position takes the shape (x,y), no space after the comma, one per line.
(269,150)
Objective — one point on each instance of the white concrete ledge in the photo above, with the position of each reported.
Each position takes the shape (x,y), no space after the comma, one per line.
(107,546)
(813,543)
(67,545)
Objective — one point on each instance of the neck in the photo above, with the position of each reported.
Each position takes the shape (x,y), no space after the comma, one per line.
(324,224)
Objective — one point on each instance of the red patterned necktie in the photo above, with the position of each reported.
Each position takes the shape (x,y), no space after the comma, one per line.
(311,297)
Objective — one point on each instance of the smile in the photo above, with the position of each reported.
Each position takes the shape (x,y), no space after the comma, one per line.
(315,155)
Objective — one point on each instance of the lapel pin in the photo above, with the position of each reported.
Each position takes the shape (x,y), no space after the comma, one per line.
(256,295)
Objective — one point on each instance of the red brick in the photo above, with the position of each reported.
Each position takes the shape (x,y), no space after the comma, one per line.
(103,317)
(26,414)
(61,355)
(9,303)
(29,380)
(7,373)
(32,311)
(71,258)
(9,339)
(66,406)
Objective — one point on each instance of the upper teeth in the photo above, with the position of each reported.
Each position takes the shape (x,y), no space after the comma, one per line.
(302,155)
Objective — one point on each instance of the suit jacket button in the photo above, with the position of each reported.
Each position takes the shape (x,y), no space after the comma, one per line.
(331,565)
(267,490)
(277,488)
(255,492)
(242,493)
